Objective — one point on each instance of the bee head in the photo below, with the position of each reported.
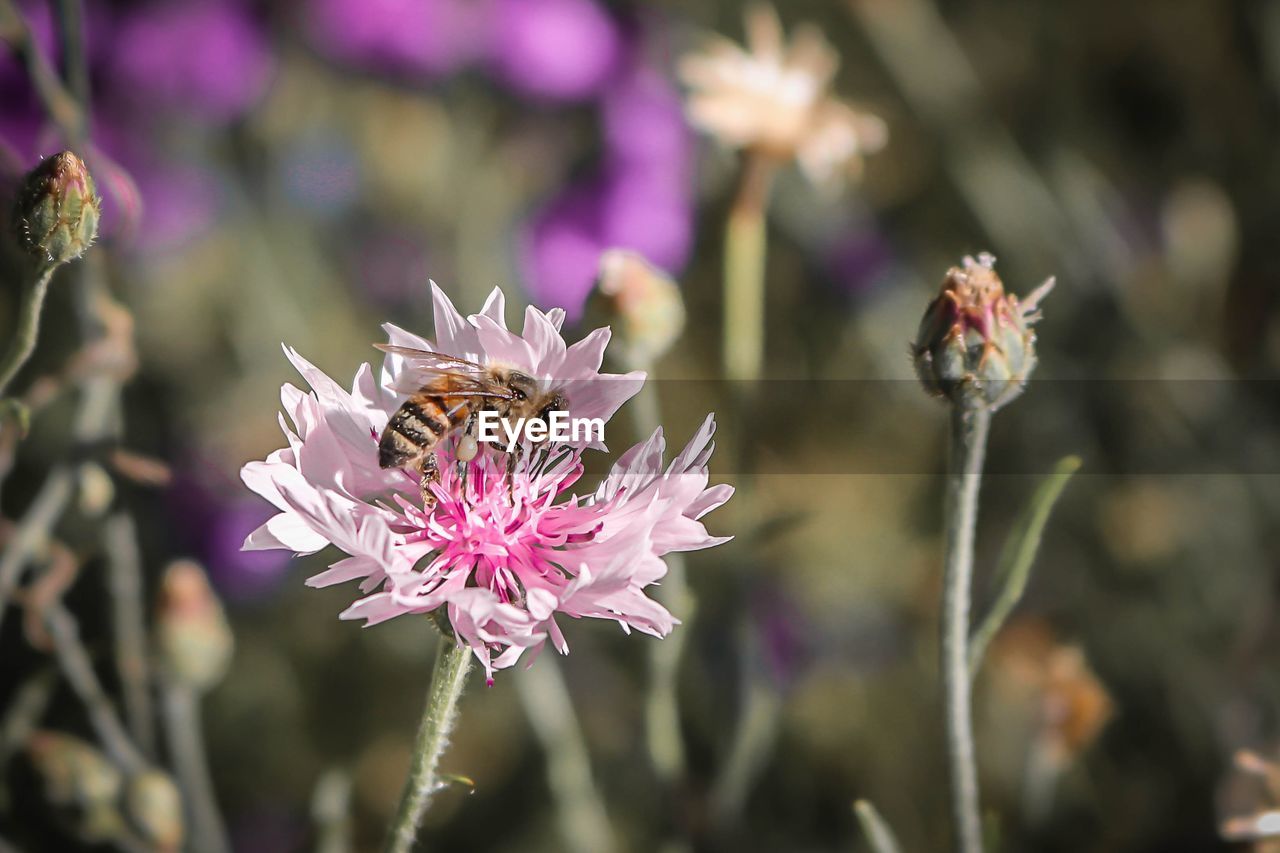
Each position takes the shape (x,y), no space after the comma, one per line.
(555,403)
(522,386)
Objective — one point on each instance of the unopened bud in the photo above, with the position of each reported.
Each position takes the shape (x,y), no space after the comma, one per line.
(57,210)
(155,807)
(644,301)
(194,638)
(975,345)
(79,781)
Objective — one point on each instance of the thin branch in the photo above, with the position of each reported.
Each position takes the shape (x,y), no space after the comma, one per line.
(75,664)
(34,529)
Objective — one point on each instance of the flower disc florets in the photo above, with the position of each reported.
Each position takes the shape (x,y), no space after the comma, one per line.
(503,549)
(975,345)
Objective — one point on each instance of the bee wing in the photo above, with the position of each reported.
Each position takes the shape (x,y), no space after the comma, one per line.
(424,368)
(423,359)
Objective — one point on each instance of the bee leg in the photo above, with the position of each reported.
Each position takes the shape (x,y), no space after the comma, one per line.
(467,449)
(430,471)
(513,459)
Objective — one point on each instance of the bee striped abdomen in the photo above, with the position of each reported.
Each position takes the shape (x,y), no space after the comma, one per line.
(415,429)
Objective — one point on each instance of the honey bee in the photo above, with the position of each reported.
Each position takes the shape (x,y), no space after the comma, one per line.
(447,393)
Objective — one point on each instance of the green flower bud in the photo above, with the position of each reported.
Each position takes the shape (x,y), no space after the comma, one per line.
(155,807)
(57,210)
(78,781)
(194,638)
(975,345)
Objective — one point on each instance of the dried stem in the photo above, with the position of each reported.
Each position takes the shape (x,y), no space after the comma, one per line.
(23,342)
(34,529)
(447,680)
(584,824)
(744,261)
(124,580)
(968,448)
(74,662)
(186,745)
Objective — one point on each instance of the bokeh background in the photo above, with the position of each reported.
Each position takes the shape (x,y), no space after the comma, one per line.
(296,171)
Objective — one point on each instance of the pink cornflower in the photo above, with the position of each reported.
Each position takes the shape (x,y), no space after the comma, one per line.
(499,556)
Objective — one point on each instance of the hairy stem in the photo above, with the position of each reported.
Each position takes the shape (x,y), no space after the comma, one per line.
(186,745)
(447,680)
(23,342)
(968,448)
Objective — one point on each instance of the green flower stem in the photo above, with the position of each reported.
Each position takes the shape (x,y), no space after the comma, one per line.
(1018,555)
(447,680)
(968,448)
(584,823)
(23,342)
(186,747)
(744,262)
(879,836)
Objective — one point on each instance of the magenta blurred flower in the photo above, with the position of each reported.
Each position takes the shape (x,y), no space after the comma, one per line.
(642,201)
(499,557)
(209,59)
(211,523)
(413,38)
(554,49)
(177,203)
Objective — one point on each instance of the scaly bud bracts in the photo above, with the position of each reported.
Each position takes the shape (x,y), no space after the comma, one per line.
(155,807)
(79,781)
(645,301)
(57,210)
(194,638)
(975,345)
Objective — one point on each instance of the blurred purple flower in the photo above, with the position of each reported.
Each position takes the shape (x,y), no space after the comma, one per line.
(390,267)
(553,49)
(212,524)
(642,200)
(402,37)
(210,59)
(782,635)
(179,201)
(644,122)
(859,261)
(561,248)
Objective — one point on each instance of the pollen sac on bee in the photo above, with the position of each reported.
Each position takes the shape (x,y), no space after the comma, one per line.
(468,448)
(57,210)
(975,345)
